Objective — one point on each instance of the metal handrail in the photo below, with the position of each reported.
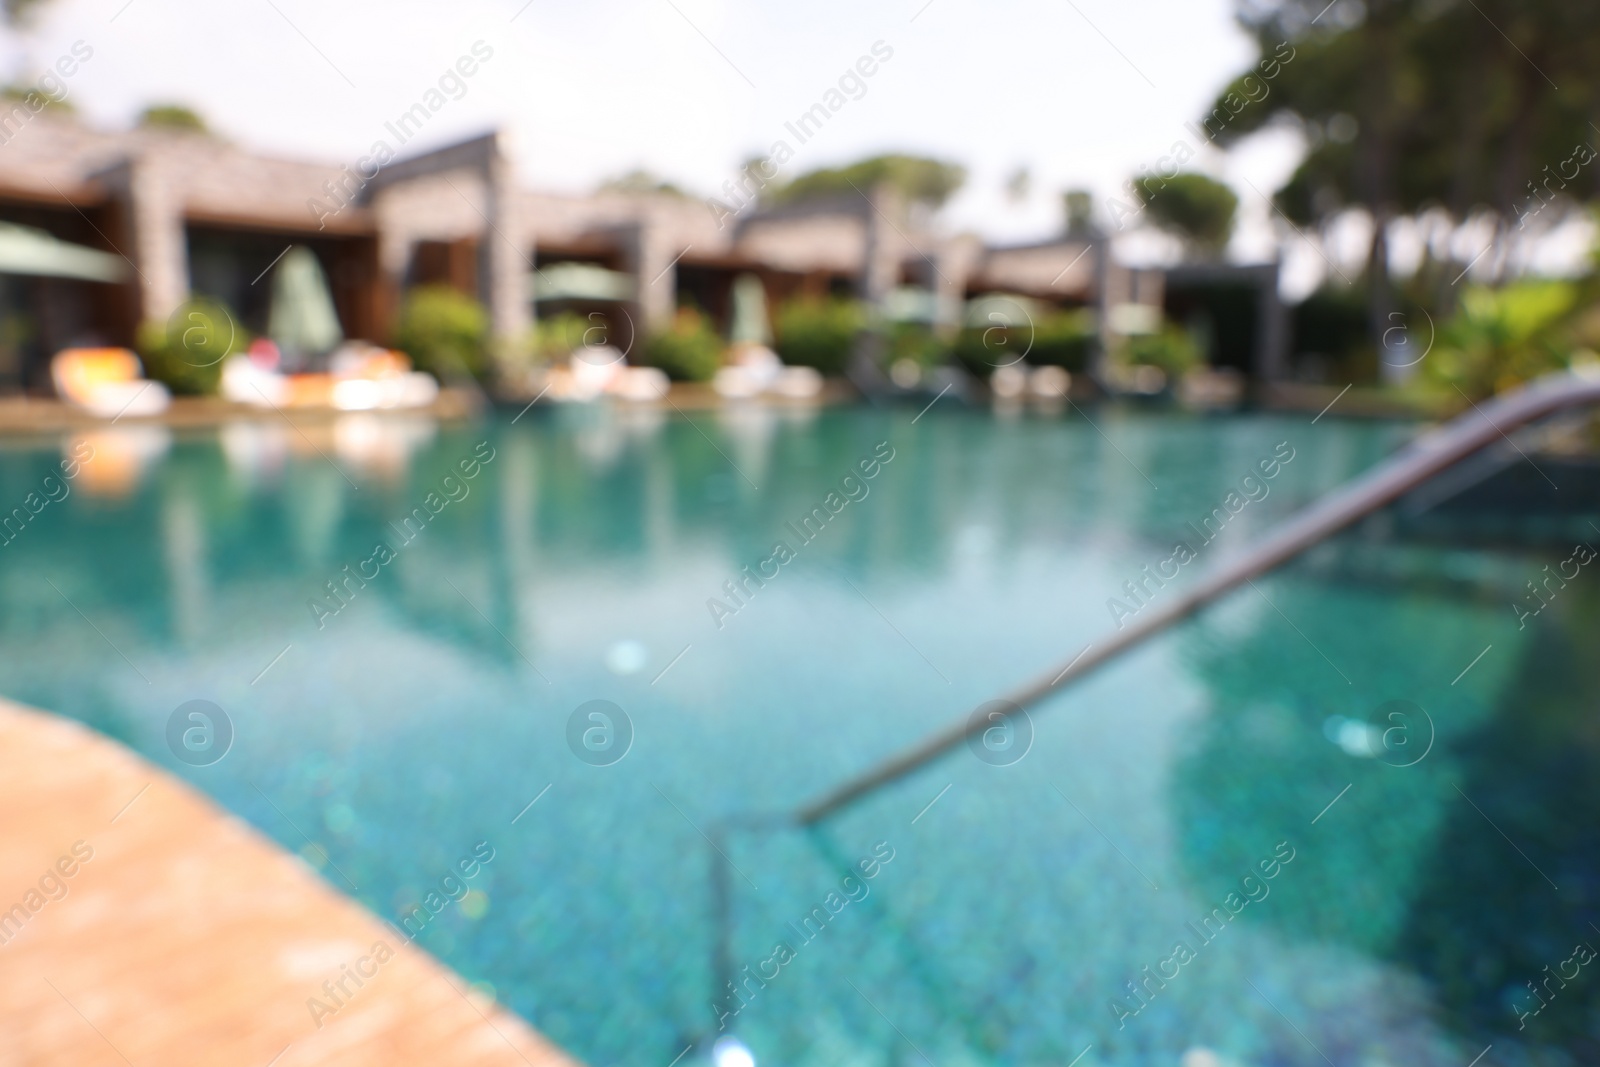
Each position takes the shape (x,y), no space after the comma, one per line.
(1411,466)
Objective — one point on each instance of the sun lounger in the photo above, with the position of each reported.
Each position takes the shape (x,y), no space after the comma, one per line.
(108,382)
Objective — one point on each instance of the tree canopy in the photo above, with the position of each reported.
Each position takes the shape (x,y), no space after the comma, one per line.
(1412,105)
(19,12)
(1196,209)
(1077,209)
(920,180)
(1446,111)
(639,181)
(172,117)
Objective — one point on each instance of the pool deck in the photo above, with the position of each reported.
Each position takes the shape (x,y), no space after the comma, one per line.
(188,938)
(34,415)
(23,415)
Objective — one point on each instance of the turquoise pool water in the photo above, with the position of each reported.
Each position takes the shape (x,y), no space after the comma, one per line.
(385,732)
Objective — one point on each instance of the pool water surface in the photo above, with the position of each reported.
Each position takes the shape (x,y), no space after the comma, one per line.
(1361,795)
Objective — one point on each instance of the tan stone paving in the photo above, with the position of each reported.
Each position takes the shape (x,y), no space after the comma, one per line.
(187,938)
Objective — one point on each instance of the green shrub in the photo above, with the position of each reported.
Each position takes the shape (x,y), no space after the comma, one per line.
(819,333)
(980,349)
(1499,338)
(186,352)
(1064,339)
(1332,323)
(689,350)
(1057,339)
(445,332)
(1171,348)
(558,336)
(916,342)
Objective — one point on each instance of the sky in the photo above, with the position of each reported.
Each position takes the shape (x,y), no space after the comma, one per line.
(1080,92)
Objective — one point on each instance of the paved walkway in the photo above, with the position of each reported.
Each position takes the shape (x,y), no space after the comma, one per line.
(186,938)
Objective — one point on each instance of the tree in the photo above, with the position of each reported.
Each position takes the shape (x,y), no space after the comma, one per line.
(172,117)
(638,182)
(18,13)
(1019,185)
(30,95)
(919,180)
(1441,110)
(1077,207)
(1196,209)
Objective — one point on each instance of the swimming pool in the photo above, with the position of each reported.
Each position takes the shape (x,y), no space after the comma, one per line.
(406,626)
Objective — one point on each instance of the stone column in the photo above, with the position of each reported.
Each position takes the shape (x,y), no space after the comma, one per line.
(394,256)
(883,219)
(957,259)
(1272,327)
(649,251)
(1111,285)
(880,267)
(508,260)
(157,244)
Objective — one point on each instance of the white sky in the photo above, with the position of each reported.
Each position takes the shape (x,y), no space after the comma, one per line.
(1082,92)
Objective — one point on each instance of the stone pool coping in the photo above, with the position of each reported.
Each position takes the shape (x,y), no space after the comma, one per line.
(188,938)
(36,415)
(26,414)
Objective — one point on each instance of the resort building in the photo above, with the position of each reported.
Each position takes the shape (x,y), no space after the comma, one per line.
(101,231)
